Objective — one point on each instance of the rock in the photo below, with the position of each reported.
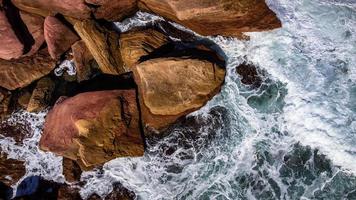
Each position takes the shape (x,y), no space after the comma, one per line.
(41,95)
(72,8)
(113,10)
(222,17)
(20,73)
(5,97)
(11,47)
(35,187)
(249,75)
(58,36)
(34,24)
(11,170)
(103,45)
(24,99)
(71,170)
(17,131)
(120,192)
(135,44)
(83,60)
(94,127)
(170,88)
(67,192)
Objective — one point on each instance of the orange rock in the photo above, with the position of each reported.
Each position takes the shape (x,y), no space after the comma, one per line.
(94,127)
(220,17)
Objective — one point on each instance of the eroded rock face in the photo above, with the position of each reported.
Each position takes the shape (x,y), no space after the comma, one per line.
(20,73)
(72,8)
(11,170)
(135,44)
(41,95)
(83,60)
(59,37)
(11,47)
(170,88)
(113,10)
(221,17)
(94,127)
(34,24)
(103,45)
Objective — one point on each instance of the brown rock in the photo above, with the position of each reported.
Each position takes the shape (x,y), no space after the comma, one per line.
(220,17)
(170,88)
(5,97)
(67,192)
(11,47)
(120,192)
(24,98)
(16,131)
(135,44)
(113,10)
(71,170)
(103,45)
(11,170)
(34,24)
(249,75)
(94,127)
(72,8)
(83,60)
(41,95)
(58,36)
(20,73)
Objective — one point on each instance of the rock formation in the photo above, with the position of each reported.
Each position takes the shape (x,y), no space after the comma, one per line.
(71,170)
(113,10)
(84,62)
(94,127)
(11,170)
(20,73)
(221,17)
(59,38)
(34,24)
(5,97)
(170,88)
(41,95)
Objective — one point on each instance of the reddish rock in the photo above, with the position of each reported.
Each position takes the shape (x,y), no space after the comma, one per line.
(83,60)
(72,8)
(71,170)
(58,36)
(94,127)
(11,170)
(113,10)
(34,24)
(223,17)
(20,73)
(11,47)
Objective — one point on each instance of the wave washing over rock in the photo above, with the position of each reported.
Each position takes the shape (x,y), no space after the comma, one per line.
(291,137)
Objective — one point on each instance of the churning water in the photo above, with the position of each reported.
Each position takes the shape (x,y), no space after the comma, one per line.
(294,137)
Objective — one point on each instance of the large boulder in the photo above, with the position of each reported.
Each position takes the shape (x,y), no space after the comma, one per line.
(138,43)
(170,88)
(84,61)
(11,47)
(73,8)
(34,24)
(219,17)
(11,170)
(20,73)
(94,127)
(103,45)
(59,37)
(113,10)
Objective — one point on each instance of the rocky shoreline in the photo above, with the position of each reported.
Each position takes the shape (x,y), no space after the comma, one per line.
(127,87)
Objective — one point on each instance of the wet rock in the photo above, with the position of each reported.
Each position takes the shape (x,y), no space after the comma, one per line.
(84,62)
(59,37)
(41,95)
(249,75)
(20,73)
(113,10)
(67,192)
(35,187)
(72,8)
(11,47)
(120,192)
(24,98)
(225,17)
(94,127)
(103,45)
(170,88)
(11,170)
(5,97)
(34,24)
(138,43)
(71,170)
(16,131)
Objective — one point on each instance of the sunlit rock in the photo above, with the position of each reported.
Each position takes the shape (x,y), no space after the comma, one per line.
(113,10)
